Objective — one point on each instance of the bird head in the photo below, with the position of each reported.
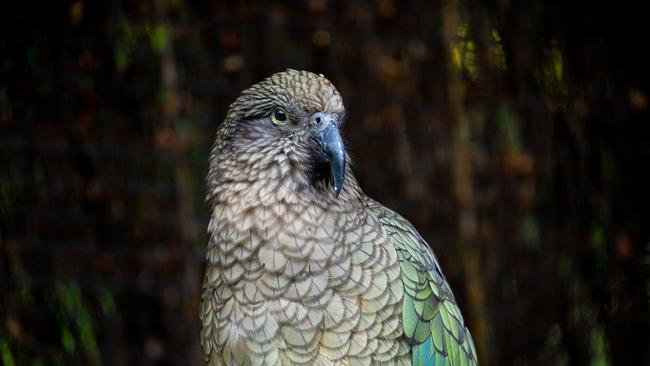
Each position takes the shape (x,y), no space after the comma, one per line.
(292,120)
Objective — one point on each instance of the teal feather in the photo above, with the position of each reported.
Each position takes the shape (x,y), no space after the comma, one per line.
(424,354)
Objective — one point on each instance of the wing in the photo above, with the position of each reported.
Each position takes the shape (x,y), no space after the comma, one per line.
(432,321)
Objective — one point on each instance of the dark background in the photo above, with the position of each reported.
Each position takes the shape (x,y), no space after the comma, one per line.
(512,133)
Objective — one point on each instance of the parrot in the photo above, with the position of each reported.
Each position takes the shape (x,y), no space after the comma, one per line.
(302,267)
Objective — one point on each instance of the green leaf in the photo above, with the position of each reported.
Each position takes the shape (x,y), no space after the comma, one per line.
(7,356)
(159,38)
(67,340)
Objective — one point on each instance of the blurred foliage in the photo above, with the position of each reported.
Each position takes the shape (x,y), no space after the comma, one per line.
(512,134)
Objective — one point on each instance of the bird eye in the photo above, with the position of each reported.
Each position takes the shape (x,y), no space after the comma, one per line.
(279,116)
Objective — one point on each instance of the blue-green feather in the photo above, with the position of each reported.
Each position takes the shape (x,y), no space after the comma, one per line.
(425,355)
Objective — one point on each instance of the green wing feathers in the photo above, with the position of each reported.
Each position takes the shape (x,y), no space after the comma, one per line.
(432,321)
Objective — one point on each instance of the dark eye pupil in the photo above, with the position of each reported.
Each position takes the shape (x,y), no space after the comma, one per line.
(279,115)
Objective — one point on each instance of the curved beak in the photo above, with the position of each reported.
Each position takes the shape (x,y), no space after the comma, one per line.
(329,138)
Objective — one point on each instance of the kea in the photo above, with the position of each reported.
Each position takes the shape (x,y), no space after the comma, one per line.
(302,266)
